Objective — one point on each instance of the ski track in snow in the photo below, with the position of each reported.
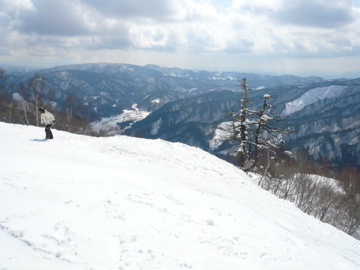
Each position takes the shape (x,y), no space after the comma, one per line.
(127,203)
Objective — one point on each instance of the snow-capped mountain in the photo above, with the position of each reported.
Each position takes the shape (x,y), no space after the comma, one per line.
(329,127)
(185,105)
(325,117)
(313,96)
(120,202)
(112,88)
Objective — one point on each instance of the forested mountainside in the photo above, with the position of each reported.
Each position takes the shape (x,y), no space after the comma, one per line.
(188,105)
(327,126)
(111,88)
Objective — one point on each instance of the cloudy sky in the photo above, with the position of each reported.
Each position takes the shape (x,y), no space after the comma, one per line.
(273,36)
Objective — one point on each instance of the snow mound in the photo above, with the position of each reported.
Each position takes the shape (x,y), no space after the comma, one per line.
(80,202)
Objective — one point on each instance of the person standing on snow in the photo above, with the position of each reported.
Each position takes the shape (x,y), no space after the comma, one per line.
(47,119)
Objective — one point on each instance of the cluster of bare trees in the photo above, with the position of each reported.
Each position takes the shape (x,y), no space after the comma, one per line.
(336,202)
(23,106)
(252,132)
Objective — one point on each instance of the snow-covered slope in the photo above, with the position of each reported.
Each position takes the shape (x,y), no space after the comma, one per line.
(110,124)
(126,203)
(312,96)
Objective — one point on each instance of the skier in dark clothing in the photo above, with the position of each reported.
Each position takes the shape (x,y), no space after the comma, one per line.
(47,119)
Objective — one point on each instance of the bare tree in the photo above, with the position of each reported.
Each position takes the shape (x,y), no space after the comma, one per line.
(251,130)
(36,88)
(245,114)
(3,96)
(23,104)
(350,179)
(237,129)
(266,129)
(32,98)
(2,79)
(72,106)
(336,204)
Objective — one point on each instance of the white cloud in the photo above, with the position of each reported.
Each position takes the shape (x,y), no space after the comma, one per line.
(315,13)
(151,9)
(256,5)
(211,29)
(14,5)
(147,37)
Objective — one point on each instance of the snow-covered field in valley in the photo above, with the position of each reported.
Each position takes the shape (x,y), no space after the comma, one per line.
(80,202)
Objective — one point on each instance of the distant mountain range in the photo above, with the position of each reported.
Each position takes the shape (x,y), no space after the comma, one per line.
(186,106)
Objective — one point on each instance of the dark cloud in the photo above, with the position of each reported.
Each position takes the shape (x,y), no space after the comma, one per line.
(68,18)
(312,13)
(154,9)
(52,18)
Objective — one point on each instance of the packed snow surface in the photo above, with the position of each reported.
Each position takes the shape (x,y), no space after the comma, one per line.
(79,202)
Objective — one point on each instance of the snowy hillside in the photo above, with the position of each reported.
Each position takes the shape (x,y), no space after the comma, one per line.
(312,96)
(126,203)
(110,124)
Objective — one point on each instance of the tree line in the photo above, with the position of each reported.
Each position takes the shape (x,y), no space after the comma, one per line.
(311,187)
